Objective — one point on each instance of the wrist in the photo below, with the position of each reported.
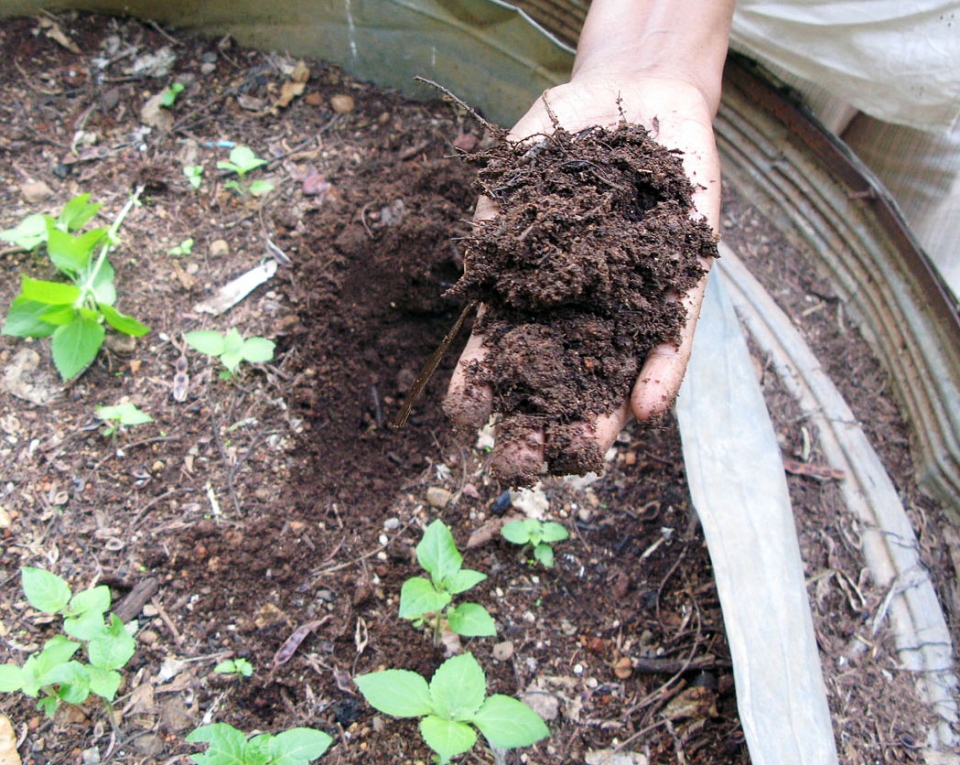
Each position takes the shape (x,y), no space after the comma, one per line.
(668,40)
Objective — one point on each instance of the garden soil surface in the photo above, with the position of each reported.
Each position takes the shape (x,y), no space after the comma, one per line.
(281,498)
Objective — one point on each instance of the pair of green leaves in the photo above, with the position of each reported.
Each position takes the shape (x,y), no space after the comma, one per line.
(428,601)
(73,314)
(242,161)
(229,746)
(539,535)
(231,348)
(238,668)
(122,415)
(53,671)
(452,705)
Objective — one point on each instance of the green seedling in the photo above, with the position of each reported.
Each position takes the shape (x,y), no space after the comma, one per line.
(536,535)
(231,348)
(32,230)
(52,674)
(121,415)
(194,175)
(452,705)
(73,314)
(242,161)
(235,668)
(184,248)
(428,602)
(169,95)
(229,746)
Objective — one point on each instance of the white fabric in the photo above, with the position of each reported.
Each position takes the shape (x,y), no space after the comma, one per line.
(896,60)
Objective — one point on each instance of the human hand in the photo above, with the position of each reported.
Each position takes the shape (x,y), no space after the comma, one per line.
(679,116)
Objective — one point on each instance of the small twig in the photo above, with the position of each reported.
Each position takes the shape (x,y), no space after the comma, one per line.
(226,462)
(167,621)
(463,105)
(431,366)
(133,602)
(341,566)
(292,643)
(163,32)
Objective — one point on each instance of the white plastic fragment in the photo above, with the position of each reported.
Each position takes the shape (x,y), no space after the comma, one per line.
(890,546)
(232,293)
(739,490)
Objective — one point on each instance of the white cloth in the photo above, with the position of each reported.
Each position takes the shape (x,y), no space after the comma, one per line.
(896,60)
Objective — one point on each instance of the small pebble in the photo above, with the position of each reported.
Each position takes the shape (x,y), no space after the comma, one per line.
(438,497)
(34,192)
(219,248)
(623,668)
(578,669)
(148,637)
(391,524)
(342,103)
(543,703)
(503,651)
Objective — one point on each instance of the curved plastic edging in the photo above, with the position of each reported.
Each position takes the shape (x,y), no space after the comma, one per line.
(815,191)
(737,484)
(889,543)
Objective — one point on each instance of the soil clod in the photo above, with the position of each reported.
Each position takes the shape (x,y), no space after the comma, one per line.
(595,236)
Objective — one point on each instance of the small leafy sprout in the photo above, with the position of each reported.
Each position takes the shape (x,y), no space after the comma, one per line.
(169,95)
(29,234)
(52,673)
(73,314)
(231,348)
(537,535)
(194,174)
(184,248)
(451,705)
(236,667)
(121,415)
(32,230)
(242,161)
(229,746)
(428,602)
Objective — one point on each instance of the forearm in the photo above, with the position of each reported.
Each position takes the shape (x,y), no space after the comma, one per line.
(672,39)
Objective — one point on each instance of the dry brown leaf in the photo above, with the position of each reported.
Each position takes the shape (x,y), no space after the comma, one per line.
(8,743)
(52,30)
(288,92)
(301,72)
(488,532)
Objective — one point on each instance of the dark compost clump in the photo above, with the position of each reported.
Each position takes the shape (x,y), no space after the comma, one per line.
(595,237)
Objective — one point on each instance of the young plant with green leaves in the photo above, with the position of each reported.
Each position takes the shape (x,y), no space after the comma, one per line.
(452,705)
(120,416)
(75,314)
(242,161)
(229,746)
(237,668)
(169,95)
(429,602)
(53,674)
(194,174)
(183,249)
(231,348)
(537,536)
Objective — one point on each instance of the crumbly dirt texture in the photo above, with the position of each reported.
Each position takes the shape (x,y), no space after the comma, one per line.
(283,497)
(578,273)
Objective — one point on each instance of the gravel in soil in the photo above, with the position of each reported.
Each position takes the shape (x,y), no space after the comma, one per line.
(281,498)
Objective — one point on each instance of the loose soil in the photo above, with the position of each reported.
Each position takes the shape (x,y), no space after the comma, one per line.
(594,236)
(262,504)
